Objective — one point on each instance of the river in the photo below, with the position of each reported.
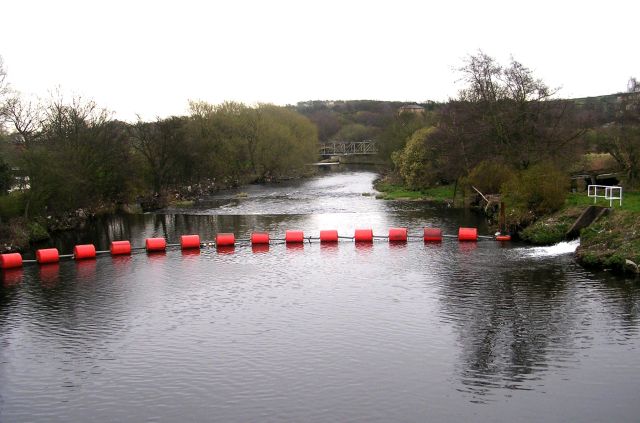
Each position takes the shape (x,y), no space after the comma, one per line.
(373,333)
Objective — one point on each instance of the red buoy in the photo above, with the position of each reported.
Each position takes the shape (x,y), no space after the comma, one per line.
(295,237)
(330,235)
(120,247)
(85,251)
(47,255)
(398,235)
(432,235)
(259,238)
(155,244)
(225,240)
(10,261)
(467,234)
(503,237)
(189,241)
(363,235)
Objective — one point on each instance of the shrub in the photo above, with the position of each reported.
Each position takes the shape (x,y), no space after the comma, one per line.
(538,190)
(417,163)
(11,205)
(489,176)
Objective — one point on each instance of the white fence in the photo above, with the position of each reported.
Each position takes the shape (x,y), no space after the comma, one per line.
(606,192)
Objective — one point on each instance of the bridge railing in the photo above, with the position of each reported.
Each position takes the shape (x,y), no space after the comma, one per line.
(344,148)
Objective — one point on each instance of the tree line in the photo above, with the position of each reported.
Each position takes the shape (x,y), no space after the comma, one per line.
(507,132)
(72,154)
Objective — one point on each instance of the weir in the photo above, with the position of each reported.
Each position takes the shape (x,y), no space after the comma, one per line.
(590,215)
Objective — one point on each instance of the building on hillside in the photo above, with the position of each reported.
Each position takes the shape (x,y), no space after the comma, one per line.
(411,108)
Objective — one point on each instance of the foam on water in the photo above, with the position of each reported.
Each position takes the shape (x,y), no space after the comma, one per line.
(561,248)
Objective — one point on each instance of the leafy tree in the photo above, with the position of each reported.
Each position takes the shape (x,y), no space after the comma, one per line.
(160,144)
(420,163)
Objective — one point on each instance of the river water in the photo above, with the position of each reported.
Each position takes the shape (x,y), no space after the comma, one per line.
(373,333)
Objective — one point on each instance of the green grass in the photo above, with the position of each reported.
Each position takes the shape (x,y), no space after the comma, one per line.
(398,192)
(630,201)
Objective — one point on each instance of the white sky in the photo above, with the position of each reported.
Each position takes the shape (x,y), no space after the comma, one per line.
(151,57)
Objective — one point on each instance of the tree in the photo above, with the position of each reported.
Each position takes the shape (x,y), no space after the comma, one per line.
(514,114)
(621,138)
(161,144)
(420,162)
(81,158)
(4,84)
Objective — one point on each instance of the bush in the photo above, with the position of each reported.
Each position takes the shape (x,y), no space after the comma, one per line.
(489,176)
(538,190)
(417,163)
(11,205)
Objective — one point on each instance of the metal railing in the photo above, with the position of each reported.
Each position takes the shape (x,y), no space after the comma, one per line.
(610,193)
(344,148)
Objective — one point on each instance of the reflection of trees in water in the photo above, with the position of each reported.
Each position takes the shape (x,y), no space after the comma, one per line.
(509,323)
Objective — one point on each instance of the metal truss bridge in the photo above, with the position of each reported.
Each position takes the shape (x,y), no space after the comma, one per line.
(346,148)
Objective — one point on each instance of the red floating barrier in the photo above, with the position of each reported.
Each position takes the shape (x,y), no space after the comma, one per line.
(363,235)
(503,237)
(155,244)
(189,241)
(47,255)
(225,240)
(10,261)
(84,251)
(432,235)
(467,234)
(294,237)
(330,235)
(259,238)
(120,247)
(398,235)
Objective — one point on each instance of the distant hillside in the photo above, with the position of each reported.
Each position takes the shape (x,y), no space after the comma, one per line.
(353,120)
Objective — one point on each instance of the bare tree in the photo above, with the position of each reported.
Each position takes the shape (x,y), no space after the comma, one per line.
(4,91)
(25,116)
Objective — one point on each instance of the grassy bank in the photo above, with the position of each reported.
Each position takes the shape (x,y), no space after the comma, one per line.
(552,229)
(392,190)
(611,241)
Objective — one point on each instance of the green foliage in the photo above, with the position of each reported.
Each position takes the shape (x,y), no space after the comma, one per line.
(12,205)
(540,189)
(355,132)
(37,232)
(6,177)
(391,191)
(395,136)
(419,162)
(489,176)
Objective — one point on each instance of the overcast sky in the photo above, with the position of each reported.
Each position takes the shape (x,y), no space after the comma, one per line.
(151,57)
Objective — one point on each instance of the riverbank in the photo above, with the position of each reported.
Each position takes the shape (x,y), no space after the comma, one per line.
(392,189)
(610,243)
(18,233)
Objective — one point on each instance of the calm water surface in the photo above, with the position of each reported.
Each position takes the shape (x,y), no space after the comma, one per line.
(367,333)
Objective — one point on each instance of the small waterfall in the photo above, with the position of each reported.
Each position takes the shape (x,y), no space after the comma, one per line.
(565,247)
